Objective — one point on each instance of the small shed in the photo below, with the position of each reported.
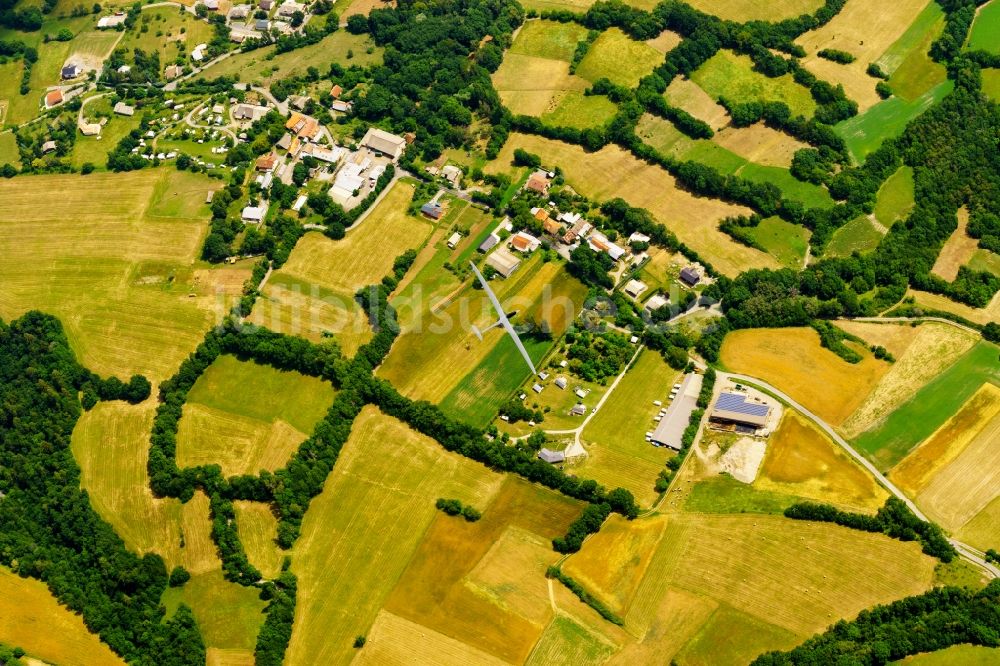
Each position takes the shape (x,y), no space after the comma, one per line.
(455,239)
(690,276)
(537,388)
(48,146)
(552,457)
(123,109)
(579,409)
(489,243)
(561,382)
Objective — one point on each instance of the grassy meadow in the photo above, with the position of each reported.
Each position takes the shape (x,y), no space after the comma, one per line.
(895,198)
(858,235)
(742,11)
(729,75)
(985,28)
(618,454)
(548,39)
(616,56)
(991,83)
(247,417)
(169,31)
(119,271)
(911,70)
(786,242)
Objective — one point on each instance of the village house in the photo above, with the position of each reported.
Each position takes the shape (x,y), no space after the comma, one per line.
(552,457)
(289,8)
(111,21)
(690,275)
(580,229)
(538,182)
(53,98)
(342,106)
(172,72)
(598,242)
(253,214)
(266,162)
(123,109)
(454,240)
(266,5)
(432,209)
(384,143)
(239,12)
(656,301)
(635,288)
(489,243)
(524,242)
(70,71)
(48,147)
(336,91)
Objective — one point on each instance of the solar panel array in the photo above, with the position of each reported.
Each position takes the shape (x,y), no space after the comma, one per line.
(735,402)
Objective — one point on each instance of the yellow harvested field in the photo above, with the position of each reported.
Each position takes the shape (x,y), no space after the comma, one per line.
(674,620)
(365,256)
(665,41)
(530,85)
(258,529)
(111,445)
(801,460)
(395,641)
(228,657)
(484,582)
(31,618)
(865,30)
(694,219)
(688,95)
(895,337)
(915,471)
(957,250)
(307,311)
(761,144)
(361,531)
(832,388)
(200,554)
(933,348)
(983,531)
(982,316)
(364,7)
(798,575)
(742,11)
(238,444)
(615,560)
(117,270)
(969,483)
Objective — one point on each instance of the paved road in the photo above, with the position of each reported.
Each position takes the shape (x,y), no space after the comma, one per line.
(968,552)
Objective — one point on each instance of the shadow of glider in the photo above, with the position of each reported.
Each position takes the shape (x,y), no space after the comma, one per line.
(502,321)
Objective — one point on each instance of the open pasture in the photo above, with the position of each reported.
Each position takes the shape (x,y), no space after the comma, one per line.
(858,235)
(258,528)
(44,73)
(567,641)
(908,62)
(895,198)
(985,28)
(9,153)
(985,260)
(786,242)
(229,615)
(761,144)
(361,531)
(117,270)
(247,417)
(832,388)
(31,618)
(957,655)
(170,31)
(534,85)
(574,109)
(395,641)
(742,11)
(548,39)
(915,420)
(746,638)
(801,460)
(365,256)
(578,5)
(991,84)
(294,306)
(94,149)
(92,47)
(694,219)
(957,250)
(931,348)
(729,75)
(866,131)
(484,583)
(262,66)
(688,95)
(618,57)
(982,316)
(865,31)
(619,455)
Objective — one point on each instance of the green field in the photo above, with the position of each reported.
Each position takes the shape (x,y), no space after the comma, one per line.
(991,83)
(957,655)
(984,260)
(94,149)
(619,454)
(785,241)
(731,76)
(866,132)
(858,235)
(548,39)
(724,494)
(620,58)
(264,67)
(813,196)
(8,149)
(229,615)
(912,72)
(895,197)
(580,111)
(567,641)
(985,28)
(917,419)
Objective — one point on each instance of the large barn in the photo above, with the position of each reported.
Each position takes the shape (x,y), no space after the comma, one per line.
(740,410)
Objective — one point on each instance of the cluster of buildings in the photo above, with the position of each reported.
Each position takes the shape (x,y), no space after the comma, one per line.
(247,21)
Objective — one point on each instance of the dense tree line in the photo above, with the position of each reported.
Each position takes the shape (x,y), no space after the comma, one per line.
(275,634)
(454,507)
(49,530)
(893,519)
(588,523)
(583,595)
(932,621)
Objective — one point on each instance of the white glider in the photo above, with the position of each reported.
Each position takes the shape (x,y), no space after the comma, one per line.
(502,321)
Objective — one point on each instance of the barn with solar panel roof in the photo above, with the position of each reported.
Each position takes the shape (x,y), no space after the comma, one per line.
(741,411)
